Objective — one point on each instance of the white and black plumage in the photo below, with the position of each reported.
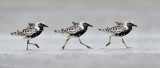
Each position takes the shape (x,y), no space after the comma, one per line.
(77,30)
(34,30)
(120,30)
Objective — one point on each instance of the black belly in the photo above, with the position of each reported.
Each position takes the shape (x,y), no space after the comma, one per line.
(79,33)
(123,33)
(35,34)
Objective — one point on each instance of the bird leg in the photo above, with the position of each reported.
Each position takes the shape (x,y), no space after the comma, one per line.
(34,44)
(109,41)
(31,44)
(65,43)
(124,43)
(84,44)
(27,44)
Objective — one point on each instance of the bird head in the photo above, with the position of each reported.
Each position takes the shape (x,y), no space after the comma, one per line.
(85,24)
(130,24)
(41,24)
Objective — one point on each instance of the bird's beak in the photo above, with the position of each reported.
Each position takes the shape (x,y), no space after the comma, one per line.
(134,25)
(90,25)
(45,26)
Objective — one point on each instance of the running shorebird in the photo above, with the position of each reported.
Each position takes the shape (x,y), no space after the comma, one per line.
(120,30)
(34,30)
(77,30)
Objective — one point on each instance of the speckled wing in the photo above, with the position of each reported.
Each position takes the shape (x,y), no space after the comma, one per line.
(29,31)
(31,24)
(117,29)
(119,23)
(73,29)
(74,23)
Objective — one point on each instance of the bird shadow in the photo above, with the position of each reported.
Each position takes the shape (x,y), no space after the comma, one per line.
(117,48)
(75,49)
(32,50)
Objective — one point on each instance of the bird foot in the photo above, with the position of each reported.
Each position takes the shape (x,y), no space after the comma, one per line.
(88,47)
(63,48)
(107,44)
(37,46)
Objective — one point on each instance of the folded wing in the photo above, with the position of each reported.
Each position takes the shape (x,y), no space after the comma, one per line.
(73,29)
(29,31)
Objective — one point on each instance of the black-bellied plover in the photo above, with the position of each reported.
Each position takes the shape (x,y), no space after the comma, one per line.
(34,30)
(77,30)
(120,30)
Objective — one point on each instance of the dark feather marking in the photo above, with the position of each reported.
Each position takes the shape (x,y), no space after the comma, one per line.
(37,33)
(124,32)
(79,33)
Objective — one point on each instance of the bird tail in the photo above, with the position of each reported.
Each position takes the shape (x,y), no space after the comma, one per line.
(104,30)
(18,33)
(60,31)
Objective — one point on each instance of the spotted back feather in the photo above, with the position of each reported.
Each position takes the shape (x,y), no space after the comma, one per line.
(31,24)
(18,33)
(114,30)
(29,31)
(60,31)
(70,30)
(119,23)
(75,23)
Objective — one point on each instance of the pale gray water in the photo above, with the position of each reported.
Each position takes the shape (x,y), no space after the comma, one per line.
(143,40)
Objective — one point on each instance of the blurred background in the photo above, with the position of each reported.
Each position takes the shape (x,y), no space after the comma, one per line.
(144,39)
(60,13)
